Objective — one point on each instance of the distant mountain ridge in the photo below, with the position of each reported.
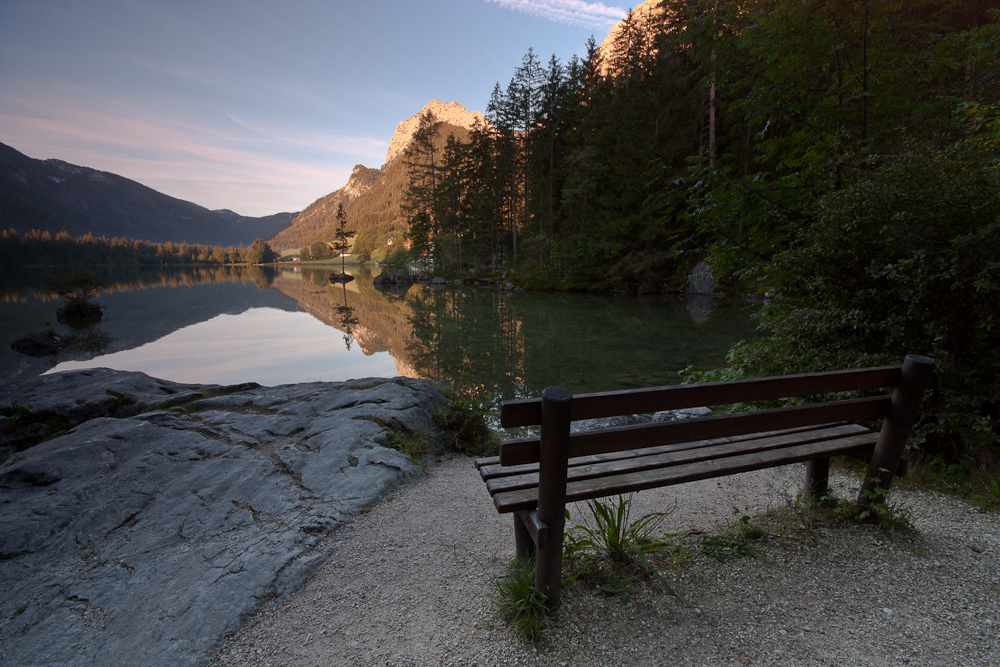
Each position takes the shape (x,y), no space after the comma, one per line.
(55,196)
(372,197)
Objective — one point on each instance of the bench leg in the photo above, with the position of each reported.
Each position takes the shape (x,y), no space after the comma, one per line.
(524,545)
(914,378)
(553,450)
(817,477)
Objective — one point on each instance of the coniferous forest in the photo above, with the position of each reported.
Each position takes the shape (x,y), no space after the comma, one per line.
(839,157)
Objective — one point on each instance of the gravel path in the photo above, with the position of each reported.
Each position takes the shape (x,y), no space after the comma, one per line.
(410,583)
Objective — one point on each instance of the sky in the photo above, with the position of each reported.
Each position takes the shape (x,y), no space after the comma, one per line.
(253,105)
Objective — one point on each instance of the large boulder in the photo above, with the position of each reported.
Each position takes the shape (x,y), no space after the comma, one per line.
(144,540)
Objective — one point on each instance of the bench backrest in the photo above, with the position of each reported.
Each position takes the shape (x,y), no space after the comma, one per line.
(639,401)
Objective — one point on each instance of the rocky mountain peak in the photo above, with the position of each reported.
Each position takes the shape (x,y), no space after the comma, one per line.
(643,14)
(452,112)
(362,178)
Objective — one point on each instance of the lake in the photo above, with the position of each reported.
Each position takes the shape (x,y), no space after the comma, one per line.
(282,325)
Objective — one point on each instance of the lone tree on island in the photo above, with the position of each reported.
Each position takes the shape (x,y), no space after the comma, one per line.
(342,234)
(78,289)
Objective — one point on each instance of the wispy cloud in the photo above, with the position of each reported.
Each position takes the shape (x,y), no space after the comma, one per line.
(367,147)
(574,12)
(273,169)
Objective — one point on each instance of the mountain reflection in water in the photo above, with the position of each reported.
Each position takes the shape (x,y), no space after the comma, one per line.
(293,325)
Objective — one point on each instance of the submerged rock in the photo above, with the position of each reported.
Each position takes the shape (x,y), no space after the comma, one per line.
(43,344)
(146,539)
(341,278)
(397,277)
(701,280)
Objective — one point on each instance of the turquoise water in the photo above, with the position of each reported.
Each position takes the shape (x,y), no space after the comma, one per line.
(224,326)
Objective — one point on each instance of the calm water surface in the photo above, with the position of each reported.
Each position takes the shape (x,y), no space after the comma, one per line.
(232,325)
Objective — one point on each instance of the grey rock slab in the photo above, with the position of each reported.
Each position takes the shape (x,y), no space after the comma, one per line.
(145,540)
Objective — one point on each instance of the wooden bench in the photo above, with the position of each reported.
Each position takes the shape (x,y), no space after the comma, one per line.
(535,477)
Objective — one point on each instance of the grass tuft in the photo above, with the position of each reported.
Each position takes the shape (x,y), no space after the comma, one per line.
(740,541)
(617,541)
(519,603)
(886,514)
(415,443)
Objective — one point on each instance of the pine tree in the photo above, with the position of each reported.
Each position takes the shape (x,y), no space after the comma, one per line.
(419,204)
(343,235)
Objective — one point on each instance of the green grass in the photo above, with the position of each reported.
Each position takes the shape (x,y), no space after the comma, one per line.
(887,514)
(740,541)
(519,603)
(415,443)
(980,488)
(615,545)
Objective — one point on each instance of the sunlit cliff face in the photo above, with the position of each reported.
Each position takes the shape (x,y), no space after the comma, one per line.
(452,113)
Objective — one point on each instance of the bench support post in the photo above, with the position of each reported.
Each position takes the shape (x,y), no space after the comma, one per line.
(817,477)
(552,492)
(914,378)
(523,544)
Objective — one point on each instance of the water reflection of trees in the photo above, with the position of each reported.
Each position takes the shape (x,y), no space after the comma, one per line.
(347,319)
(17,285)
(467,338)
(516,345)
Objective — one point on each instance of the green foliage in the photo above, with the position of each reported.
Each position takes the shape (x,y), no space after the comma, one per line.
(903,261)
(397,256)
(343,236)
(415,443)
(989,498)
(860,189)
(78,289)
(260,252)
(519,603)
(26,427)
(16,412)
(44,248)
(122,402)
(618,539)
(887,514)
(977,487)
(739,541)
(465,428)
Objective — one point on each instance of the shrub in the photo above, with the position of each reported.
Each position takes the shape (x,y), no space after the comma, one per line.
(464,426)
(904,261)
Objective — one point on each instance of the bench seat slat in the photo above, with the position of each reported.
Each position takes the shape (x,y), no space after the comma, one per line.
(523,499)
(697,452)
(489,467)
(704,428)
(527,412)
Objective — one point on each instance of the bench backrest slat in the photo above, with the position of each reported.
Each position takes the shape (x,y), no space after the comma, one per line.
(604,441)
(528,412)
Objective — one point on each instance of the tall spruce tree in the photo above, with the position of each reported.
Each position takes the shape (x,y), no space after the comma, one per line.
(422,158)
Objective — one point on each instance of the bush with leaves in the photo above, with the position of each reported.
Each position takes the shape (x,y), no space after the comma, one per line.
(464,426)
(904,261)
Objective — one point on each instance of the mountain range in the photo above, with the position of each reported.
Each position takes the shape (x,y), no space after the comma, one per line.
(372,197)
(55,196)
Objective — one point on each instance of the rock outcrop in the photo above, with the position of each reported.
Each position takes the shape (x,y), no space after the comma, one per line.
(644,14)
(452,113)
(144,540)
